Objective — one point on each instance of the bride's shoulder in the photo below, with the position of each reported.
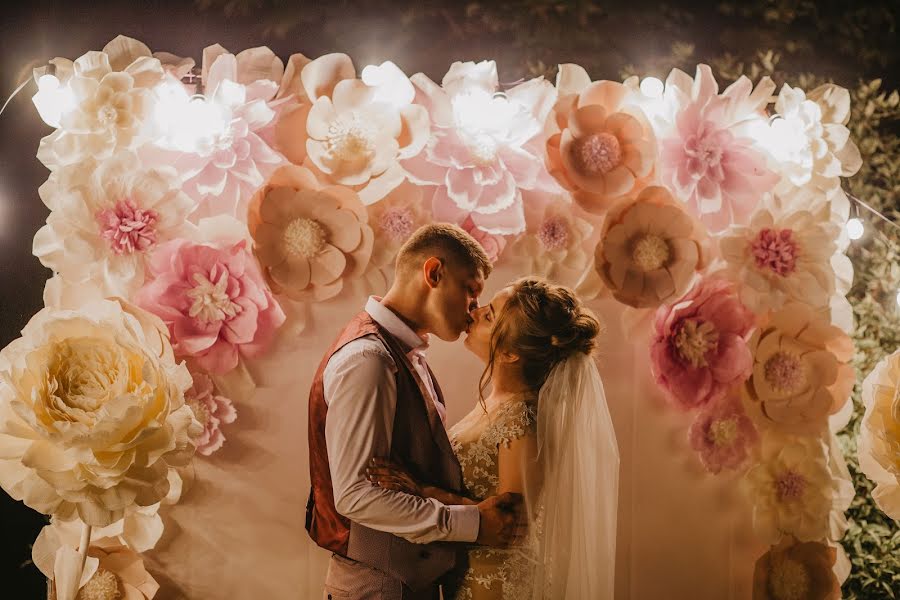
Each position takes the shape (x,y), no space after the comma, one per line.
(515,419)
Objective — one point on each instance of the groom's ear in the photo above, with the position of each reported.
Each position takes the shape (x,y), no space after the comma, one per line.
(433,271)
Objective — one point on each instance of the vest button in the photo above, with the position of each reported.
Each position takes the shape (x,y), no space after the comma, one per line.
(423,554)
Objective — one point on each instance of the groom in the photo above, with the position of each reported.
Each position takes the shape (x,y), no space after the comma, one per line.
(374,396)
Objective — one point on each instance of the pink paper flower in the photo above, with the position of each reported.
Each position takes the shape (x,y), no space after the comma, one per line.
(723,434)
(217,142)
(605,148)
(214,301)
(211,410)
(700,349)
(709,160)
(485,146)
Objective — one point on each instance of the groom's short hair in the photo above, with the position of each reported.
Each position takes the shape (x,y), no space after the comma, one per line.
(448,242)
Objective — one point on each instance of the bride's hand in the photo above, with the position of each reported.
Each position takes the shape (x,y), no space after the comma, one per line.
(391,476)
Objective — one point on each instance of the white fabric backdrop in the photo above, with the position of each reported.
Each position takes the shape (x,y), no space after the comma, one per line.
(239,531)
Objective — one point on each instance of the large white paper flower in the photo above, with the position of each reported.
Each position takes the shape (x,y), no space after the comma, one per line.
(879,436)
(809,138)
(794,489)
(111,102)
(92,412)
(785,254)
(107,218)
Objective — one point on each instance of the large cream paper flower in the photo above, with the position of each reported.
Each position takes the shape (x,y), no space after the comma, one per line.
(650,250)
(801,370)
(795,489)
(879,436)
(92,412)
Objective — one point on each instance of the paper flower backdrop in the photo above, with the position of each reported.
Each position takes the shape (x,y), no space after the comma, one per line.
(227,205)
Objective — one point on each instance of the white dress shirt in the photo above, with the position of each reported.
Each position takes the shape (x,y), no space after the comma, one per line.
(361,394)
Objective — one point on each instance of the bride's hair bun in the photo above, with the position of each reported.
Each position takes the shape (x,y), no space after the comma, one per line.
(543,324)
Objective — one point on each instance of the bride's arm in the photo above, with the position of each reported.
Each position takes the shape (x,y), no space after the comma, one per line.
(518,465)
(392,476)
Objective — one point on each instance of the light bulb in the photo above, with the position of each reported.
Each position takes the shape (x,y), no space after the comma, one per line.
(855,228)
(390,83)
(652,87)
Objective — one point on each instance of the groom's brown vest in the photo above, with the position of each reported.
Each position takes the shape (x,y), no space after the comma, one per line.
(419,441)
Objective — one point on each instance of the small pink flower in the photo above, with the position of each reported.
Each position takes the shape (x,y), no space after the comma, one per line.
(776,250)
(128,228)
(211,410)
(723,434)
(700,350)
(214,301)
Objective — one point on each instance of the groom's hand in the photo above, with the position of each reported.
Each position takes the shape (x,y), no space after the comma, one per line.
(501,518)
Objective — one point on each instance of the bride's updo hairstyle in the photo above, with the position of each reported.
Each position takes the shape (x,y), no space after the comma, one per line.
(543,324)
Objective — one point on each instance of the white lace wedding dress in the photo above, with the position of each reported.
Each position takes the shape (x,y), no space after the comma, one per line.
(492,574)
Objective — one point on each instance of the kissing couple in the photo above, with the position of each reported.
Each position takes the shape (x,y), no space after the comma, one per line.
(515,501)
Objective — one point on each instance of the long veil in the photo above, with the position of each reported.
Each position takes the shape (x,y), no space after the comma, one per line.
(572,509)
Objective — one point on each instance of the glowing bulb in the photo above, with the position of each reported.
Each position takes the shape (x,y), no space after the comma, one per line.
(652,87)
(52,99)
(855,228)
(48,83)
(189,123)
(391,84)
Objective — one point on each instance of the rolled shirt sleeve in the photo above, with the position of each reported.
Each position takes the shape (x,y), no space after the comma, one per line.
(361,393)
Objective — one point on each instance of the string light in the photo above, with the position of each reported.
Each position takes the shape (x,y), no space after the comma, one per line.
(652,87)
(855,228)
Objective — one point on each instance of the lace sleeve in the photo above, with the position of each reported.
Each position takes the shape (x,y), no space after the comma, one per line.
(513,422)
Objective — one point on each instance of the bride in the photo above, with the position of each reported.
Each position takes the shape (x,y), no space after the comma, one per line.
(544,431)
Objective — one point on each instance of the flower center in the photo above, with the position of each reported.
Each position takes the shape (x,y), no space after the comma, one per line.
(554,233)
(201,411)
(397,223)
(104,585)
(483,148)
(775,250)
(127,228)
(789,580)
(211,301)
(597,153)
(107,115)
(790,486)
(722,432)
(304,237)
(351,139)
(705,150)
(785,373)
(83,372)
(650,252)
(694,340)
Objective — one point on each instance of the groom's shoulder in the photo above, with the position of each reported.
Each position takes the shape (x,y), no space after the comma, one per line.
(362,349)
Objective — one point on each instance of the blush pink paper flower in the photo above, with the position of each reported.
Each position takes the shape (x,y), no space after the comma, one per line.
(700,346)
(723,434)
(214,301)
(709,160)
(485,146)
